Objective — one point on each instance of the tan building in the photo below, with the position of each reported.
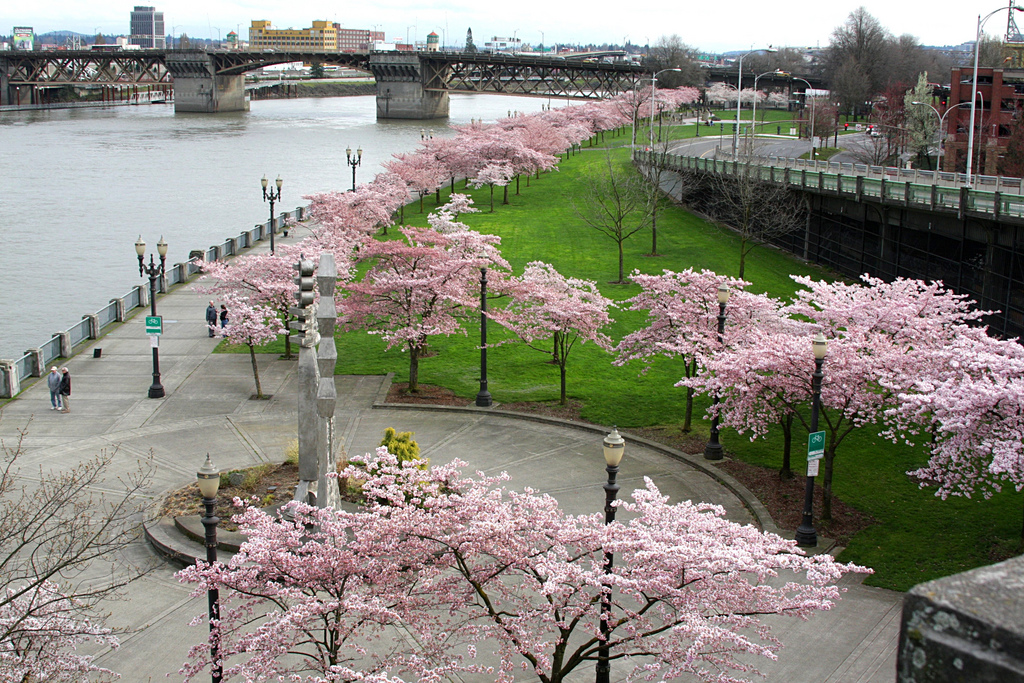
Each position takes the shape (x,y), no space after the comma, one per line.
(323,36)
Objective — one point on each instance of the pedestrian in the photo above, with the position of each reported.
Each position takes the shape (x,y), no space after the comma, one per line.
(211,318)
(53,382)
(223,316)
(65,390)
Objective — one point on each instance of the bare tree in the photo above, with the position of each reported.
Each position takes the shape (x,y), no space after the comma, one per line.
(670,52)
(758,210)
(617,202)
(62,540)
(868,149)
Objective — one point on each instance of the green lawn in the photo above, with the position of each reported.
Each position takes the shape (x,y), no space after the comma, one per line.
(918,537)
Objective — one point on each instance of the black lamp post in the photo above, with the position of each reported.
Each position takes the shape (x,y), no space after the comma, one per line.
(614,447)
(483,397)
(354,160)
(806,535)
(154,271)
(209,482)
(714,450)
(271,197)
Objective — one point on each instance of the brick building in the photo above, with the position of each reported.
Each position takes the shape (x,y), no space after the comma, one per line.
(1002,96)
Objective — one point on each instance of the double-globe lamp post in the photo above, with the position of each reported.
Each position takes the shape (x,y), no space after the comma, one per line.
(483,397)
(353,160)
(739,101)
(942,119)
(753,110)
(209,482)
(807,96)
(806,536)
(713,450)
(614,447)
(271,197)
(154,271)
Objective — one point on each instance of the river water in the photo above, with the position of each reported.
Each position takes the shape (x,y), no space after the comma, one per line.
(80,185)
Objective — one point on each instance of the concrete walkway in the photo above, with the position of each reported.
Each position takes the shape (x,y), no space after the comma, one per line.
(208,410)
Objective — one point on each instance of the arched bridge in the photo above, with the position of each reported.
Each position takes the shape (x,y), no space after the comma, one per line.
(409,85)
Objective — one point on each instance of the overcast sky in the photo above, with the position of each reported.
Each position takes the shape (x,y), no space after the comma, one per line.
(709,26)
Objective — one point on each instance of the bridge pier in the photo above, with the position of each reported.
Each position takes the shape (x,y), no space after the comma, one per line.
(400,88)
(198,88)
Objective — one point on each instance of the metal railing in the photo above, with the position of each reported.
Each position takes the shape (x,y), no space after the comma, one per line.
(32,363)
(889,188)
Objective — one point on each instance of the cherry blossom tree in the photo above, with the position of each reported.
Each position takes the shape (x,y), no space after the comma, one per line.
(266,279)
(546,305)
(481,566)
(682,319)
(499,174)
(882,338)
(423,173)
(445,219)
(252,324)
(418,286)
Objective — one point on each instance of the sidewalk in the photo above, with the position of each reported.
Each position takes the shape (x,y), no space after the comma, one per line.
(207,410)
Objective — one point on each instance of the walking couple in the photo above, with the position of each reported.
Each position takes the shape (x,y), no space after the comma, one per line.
(60,389)
(211,317)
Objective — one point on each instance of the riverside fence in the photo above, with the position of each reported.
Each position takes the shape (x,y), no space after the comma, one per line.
(62,344)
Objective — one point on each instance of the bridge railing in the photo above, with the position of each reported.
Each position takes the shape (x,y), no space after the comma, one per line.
(889,188)
(61,345)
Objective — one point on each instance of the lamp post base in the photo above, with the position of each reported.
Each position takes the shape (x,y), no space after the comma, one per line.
(806,536)
(483,399)
(156,391)
(714,451)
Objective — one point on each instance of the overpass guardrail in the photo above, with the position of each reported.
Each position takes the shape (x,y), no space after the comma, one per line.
(1002,198)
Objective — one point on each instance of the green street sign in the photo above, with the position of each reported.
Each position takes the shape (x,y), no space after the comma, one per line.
(154,324)
(816,445)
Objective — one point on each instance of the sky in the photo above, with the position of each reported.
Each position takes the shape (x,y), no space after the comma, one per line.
(707,26)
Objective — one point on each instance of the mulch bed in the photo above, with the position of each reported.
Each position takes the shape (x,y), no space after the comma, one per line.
(428,394)
(274,487)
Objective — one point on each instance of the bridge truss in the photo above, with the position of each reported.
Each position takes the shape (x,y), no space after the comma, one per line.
(86,67)
(519,75)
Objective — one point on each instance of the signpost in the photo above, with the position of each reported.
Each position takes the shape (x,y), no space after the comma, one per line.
(154,324)
(815,452)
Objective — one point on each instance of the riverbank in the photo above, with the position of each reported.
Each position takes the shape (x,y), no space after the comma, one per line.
(298,89)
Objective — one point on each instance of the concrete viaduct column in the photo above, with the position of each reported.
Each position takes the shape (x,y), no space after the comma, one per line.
(198,88)
(400,88)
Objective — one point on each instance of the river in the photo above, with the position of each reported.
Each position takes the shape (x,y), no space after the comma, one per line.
(80,185)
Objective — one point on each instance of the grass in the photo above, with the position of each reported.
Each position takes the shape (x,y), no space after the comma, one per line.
(918,537)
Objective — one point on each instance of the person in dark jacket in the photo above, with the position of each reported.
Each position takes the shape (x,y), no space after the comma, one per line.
(223,316)
(211,318)
(65,390)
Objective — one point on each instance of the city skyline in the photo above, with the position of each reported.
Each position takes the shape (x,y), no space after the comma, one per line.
(944,23)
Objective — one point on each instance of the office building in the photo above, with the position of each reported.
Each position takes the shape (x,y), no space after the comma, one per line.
(147,28)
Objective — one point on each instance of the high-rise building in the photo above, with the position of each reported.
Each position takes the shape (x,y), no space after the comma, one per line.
(147,28)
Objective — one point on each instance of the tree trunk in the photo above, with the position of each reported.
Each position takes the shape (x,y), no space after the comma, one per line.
(255,371)
(654,226)
(453,185)
(620,263)
(437,196)
(421,202)
(787,447)
(743,256)
(555,355)
(504,198)
(492,198)
(517,185)
(688,411)
(287,338)
(414,369)
(561,367)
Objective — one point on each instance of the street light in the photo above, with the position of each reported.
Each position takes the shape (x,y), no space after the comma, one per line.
(739,100)
(942,118)
(272,197)
(974,86)
(806,96)
(483,397)
(806,536)
(654,89)
(614,447)
(354,160)
(713,450)
(154,271)
(753,112)
(209,481)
